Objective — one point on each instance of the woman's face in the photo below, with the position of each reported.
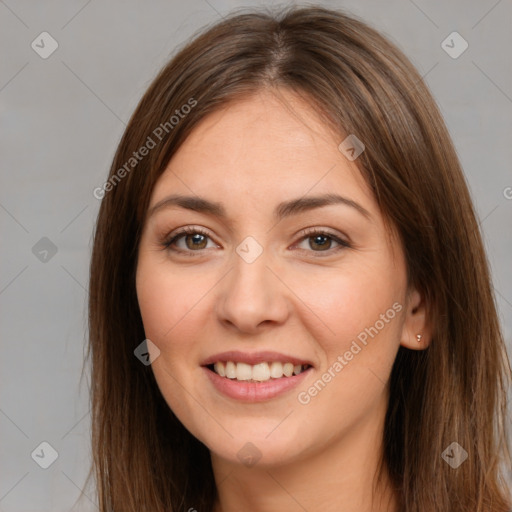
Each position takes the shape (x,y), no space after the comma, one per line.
(252,287)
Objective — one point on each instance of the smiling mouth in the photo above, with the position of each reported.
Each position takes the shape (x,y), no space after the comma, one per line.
(261,372)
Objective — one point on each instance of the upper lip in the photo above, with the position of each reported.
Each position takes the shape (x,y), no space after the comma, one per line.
(253,358)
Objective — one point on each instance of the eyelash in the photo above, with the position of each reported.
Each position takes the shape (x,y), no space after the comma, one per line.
(308,233)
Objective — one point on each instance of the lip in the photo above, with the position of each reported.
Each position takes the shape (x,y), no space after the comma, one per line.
(252,392)
(254,358)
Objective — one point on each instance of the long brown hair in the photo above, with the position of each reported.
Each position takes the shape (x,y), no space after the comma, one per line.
(360,83)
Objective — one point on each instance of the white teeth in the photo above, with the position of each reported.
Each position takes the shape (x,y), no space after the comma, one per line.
(220,369)
(243,371)
(230,370)
(288,369)
(260,372)
(276,369)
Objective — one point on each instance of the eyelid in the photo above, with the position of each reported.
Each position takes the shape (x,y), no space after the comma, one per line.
(338,238)
(169,239)
(323,231)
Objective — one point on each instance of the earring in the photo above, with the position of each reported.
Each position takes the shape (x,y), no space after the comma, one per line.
(418,338)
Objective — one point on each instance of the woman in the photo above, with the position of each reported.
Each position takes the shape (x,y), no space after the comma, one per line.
(290,304)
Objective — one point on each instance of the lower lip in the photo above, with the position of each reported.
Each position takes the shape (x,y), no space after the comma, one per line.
(255,391)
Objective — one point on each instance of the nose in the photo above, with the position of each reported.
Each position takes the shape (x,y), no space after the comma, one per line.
(252,295)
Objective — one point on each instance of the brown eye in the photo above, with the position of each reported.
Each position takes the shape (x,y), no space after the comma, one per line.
(321,242)
(195,240)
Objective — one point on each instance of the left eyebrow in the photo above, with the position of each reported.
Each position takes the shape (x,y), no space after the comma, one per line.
(282,210)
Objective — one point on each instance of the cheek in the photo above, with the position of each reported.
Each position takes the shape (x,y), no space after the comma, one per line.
(156,304)
(361,318)
(171,316)
(173,310)
(355,305)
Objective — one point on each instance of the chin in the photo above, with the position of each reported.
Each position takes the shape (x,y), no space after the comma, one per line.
(258,445)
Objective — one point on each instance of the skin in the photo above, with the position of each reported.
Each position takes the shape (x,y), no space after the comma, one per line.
(298,297)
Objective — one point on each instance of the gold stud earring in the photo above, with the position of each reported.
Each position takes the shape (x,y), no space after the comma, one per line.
(418,338)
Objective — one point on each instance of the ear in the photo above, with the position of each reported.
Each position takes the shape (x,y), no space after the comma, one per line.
(416,323)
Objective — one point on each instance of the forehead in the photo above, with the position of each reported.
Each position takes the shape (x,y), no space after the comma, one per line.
(259,150)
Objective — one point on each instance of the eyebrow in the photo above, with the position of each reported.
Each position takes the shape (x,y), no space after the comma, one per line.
(282,210)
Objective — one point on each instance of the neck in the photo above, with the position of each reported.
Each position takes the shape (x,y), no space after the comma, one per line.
(338,478)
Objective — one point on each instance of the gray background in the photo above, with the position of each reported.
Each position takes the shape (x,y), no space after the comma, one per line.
(62,118)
